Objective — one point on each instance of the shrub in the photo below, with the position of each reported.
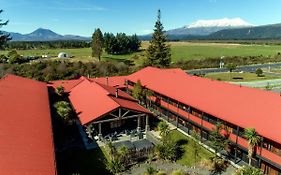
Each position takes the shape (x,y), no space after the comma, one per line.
(150,171)
(178,172)
(219,165)
(63,109)
(259,72)
(248,170)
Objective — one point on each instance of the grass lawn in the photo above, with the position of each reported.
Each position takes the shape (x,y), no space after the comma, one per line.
(179,50)
(197,50)
(185,50)
(188,148)
(86,162)
(226,76)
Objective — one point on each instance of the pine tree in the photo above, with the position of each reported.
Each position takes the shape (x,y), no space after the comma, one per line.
(4,37)
(135,43)
(97,43)
(158,52)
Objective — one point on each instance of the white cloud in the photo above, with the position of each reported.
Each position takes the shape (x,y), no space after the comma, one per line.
(145,31)
(95,8)
(13,23)
(224,22)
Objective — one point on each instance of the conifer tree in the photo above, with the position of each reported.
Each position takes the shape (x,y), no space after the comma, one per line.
(4,37)
(97,43)
(158,52)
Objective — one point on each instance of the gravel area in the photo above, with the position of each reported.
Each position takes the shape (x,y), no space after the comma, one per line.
(170,167)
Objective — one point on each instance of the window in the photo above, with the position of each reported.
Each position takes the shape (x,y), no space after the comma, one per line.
(165,99)
(181,106)
(212,119)
(205,117)
(131,83)
(241,132)
(196,112)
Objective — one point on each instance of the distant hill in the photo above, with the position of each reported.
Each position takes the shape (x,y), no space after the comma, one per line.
(259,32)
(44,35)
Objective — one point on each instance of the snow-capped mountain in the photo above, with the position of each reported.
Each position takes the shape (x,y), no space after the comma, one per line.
(224,22)
(206,27)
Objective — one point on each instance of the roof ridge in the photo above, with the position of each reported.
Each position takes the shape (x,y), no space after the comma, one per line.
(91,83)
(77,83)
(23,78)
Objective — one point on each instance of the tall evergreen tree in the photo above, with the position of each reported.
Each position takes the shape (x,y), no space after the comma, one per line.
(135,43)
(97,43)
(4,37)
(158,52)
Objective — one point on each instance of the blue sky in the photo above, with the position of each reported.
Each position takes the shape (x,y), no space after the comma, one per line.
(81,17)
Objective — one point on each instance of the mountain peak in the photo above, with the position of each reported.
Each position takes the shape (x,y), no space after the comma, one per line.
(42,34)
(224,22)
(44,31)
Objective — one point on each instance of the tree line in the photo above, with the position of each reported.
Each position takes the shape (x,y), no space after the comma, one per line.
(28,45)
(56,70)
(113,44)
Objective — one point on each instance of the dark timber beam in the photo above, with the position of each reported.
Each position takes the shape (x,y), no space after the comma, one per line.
(236,145)
(125,113)
(139,124)
(114,115)
(116,119)
(100,134)
(147,128)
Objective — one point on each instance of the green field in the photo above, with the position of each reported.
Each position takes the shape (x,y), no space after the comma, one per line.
(180,51)
(186,50)
(238,77)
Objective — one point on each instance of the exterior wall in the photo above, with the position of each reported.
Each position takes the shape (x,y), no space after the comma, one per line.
(268,154)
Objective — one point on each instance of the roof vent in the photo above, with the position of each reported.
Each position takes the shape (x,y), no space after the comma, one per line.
(107,81)
(116,93)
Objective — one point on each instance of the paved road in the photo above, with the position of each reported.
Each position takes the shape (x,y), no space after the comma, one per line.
(248,68)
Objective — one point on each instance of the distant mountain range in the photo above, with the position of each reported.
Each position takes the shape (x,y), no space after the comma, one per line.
(222,29)
(206,27)
(219,29)
(44,35)
(272,31)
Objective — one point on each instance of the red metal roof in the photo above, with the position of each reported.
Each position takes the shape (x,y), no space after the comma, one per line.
(26,142)
(67,84)
(132,105)
(121,94)
(242,106)
(115,81)
(92,100)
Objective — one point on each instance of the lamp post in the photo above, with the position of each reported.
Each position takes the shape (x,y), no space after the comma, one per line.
(221,62)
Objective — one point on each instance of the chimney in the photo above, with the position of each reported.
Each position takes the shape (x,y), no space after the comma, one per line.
(116,93)
(107,81)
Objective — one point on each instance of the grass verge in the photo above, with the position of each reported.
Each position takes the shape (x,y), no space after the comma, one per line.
(238,77)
